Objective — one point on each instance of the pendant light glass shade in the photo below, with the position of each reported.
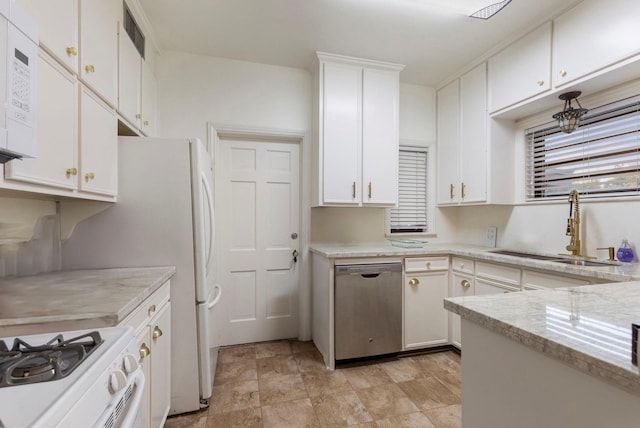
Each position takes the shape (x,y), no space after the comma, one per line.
(569,118)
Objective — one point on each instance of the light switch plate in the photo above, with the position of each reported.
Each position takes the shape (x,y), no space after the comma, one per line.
(491,237)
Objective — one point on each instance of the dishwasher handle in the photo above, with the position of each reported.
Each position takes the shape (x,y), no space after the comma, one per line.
(369,275)
(369,270)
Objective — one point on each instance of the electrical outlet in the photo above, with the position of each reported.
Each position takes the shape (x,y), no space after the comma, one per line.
(491,237)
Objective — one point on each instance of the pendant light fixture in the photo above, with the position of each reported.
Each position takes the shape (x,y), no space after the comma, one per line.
(569,118)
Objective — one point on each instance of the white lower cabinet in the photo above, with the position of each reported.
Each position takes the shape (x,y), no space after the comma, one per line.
(462,284)
(152,322)
(425,288)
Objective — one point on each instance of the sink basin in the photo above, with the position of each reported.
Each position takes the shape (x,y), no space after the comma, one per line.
(525,255)
(580,262)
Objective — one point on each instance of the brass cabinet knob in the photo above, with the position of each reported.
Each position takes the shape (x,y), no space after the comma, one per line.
(414,281)
(428,265)
(156,332)
(563,73)
(90,68)
(465,283)
(540,82)
(89,176)
(138,116)
(151,309)
(146,123)
(144,351)
(72,51)
(72,171)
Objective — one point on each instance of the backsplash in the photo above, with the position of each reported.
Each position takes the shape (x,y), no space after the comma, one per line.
(38,255)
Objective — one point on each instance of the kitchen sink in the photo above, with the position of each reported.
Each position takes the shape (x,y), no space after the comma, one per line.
(581,262)
(525,255)
(556,259)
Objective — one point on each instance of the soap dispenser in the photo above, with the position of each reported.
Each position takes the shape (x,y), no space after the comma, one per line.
(625,252)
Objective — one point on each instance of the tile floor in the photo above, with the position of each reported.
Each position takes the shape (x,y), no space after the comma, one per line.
(284,384)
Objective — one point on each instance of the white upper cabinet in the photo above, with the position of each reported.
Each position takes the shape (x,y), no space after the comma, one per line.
(129,88)
(148,100)
(56,163)
(356,132)
(98,172)
(462,139)
(99,46)
(58,28)
(380,99)
(522,70)
(593,35)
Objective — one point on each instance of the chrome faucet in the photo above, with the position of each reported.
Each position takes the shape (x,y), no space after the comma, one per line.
(573,224)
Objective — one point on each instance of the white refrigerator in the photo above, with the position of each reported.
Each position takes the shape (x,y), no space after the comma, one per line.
(164,216)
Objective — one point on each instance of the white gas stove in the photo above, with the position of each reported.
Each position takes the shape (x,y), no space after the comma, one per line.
(87,378)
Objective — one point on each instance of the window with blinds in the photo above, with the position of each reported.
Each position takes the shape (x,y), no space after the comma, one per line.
(410,216)
(599,159)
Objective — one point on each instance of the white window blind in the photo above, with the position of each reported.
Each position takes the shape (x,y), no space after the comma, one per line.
(410,216)
(600,158)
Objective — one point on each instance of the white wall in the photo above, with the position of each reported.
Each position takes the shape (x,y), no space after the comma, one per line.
(194,89)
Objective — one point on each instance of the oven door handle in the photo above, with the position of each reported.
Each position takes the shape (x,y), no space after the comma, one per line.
(134,408)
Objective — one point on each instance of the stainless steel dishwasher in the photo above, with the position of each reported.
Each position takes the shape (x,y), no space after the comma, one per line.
(368,310)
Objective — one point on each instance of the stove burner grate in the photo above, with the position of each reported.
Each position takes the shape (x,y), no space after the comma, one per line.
(25,363)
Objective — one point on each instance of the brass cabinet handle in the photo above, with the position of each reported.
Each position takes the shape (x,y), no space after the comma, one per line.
(414,281)
(72,171)
(465,283)
(353,190)
(138,116)
(563,73)
(151,309)
(72,51)
(89,176)
(156,332)
(146,123)
(540,82)
(428,265)
(144,351)
(451,191)
(90,68)
(462,188)
(369,190)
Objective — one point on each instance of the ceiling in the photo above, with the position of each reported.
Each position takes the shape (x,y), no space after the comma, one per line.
(433,38)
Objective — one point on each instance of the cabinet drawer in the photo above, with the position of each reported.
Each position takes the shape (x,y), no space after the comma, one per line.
(143,313)
(426,264)
(506,274)
(536,280)
(460,264)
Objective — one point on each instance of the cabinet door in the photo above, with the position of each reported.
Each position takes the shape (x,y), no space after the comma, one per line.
(448,125)
(57,136)
(593,35)
(473,135)
(425,319)
(99,46)
(57,26)
(380,137)
(160,375)
(522,70)
(99,146)
(143,338)
(461,285)
(341,134)
(129,80)
(148,108)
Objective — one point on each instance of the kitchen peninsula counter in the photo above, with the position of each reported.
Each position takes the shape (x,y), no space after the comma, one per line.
(77,299)
(566,350)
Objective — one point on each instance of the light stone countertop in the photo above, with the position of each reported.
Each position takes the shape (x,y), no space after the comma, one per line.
(613,273)
(587,327)
(103,297)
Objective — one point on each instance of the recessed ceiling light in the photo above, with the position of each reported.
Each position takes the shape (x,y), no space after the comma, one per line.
(488,11)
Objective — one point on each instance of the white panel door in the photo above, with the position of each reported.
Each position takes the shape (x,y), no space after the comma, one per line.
(257,205)
(448,124)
